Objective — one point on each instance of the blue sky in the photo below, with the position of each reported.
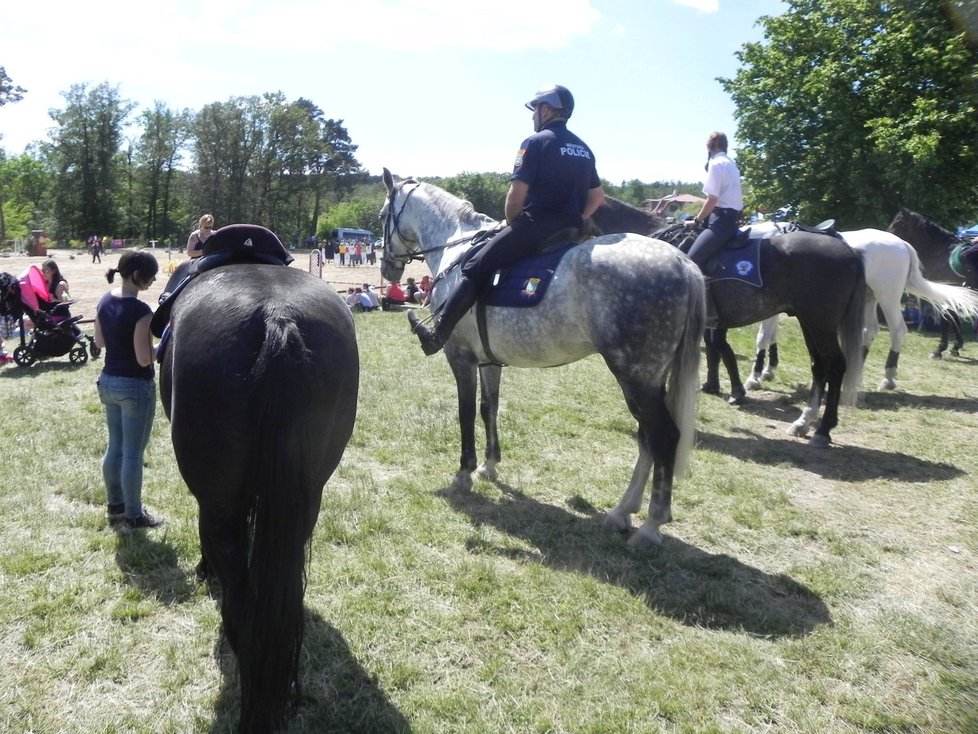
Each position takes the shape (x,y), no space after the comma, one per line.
(424,87)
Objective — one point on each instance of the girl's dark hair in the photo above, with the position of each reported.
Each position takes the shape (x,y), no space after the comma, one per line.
(135,262)
(56,276)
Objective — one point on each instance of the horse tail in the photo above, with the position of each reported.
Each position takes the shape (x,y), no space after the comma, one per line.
(943,296)
(851,335)
(684,388)
(280,523)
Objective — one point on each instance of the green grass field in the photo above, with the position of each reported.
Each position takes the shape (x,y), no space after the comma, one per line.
(799,590)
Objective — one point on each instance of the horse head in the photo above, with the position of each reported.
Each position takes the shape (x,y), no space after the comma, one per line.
(401,244)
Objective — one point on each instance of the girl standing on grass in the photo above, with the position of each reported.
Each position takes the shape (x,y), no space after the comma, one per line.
(127,387)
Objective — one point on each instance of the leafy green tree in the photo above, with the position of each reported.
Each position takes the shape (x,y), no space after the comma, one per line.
(359,213)
(485,191)
(25,195)
(852,108)
(158,157)
(85,150)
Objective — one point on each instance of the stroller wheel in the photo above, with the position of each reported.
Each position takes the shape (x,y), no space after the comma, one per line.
(23,356)
(78,355)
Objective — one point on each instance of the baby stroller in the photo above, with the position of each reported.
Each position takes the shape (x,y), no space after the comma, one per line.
(55,331)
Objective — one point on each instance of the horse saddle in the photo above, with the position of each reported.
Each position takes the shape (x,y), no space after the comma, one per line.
(524,284)
(738,260)
(230,245)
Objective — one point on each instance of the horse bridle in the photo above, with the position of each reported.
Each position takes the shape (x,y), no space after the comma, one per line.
(392,226)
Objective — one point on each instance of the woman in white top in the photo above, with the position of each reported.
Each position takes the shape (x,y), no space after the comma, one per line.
(724,202)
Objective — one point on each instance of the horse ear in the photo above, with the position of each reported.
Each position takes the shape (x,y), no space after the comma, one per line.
(388,181)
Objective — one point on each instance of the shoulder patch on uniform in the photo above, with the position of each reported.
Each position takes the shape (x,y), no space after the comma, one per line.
(519,158)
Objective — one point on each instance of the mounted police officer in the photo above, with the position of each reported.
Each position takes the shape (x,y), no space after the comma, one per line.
(554,186)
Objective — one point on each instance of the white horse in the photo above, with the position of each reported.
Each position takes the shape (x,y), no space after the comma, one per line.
(892,268)
(636,301)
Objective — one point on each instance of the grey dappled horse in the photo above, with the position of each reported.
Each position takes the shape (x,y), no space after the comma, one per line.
(637,302)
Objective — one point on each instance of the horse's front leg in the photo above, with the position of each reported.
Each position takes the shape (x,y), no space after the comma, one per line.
(465,373)
(489,378)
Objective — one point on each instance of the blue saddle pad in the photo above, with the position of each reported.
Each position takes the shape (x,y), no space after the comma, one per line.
(742,264)
(524,284)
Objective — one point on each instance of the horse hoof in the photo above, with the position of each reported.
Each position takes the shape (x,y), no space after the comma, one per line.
(462,482)
(643,539)
(887,384)
(737,396)
(955,353)
(487,472)
(797,430)
(752,384)
(618,523)
(710,389)
(818,441)
(767,376)
(937,355)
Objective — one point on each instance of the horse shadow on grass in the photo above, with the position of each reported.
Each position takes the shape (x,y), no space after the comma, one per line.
(838,462)
(337,693)
(678,580)
(895,400)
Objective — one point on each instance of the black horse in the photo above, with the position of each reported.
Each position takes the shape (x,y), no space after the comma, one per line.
(815,277)
(934,246)
(259,378)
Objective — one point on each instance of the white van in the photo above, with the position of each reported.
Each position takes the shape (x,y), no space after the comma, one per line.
(348,233)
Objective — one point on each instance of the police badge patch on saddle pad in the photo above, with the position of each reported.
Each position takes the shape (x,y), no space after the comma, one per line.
(525,283)
(741,264)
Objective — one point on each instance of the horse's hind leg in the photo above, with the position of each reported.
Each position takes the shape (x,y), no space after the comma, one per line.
(767,342)
(658,437)
(898,332)
(465,384)
(489,378)
(224,543)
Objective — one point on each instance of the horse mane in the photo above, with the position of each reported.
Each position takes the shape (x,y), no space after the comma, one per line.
(615,215)
(457,207)
(927,229)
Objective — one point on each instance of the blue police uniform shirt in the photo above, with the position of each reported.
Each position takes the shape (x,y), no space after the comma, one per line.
(558,167)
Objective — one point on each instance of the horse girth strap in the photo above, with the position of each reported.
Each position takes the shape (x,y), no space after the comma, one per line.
(480,318)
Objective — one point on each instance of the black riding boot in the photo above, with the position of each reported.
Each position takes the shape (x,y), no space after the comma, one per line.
(460,300)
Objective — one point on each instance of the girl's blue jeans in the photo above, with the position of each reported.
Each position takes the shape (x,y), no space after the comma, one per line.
(130,406)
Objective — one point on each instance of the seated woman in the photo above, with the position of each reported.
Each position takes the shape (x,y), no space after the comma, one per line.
(392,297)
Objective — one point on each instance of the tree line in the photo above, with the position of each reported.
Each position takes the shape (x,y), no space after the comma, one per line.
(847,109)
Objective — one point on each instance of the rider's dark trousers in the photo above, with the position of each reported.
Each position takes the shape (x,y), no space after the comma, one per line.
(720,230)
